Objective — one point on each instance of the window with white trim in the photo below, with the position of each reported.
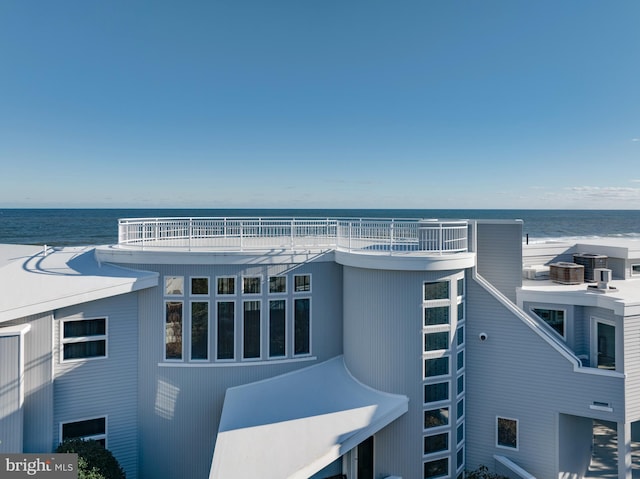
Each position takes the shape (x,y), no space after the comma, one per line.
(173,330)
(436,417)
(225,330)
(302,326)
(436,468)
(277,284)
(83,339)
(226,285)
(301,283)
(251,330)
(174,285)
(251,284)
(507,432)
(554,318)
(200,286)
(89,429)
(635,270)
(277,328)
(436,443)
(199,330)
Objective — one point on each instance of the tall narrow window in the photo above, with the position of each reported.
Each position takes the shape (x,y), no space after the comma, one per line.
(606,345)
(302,327)
(277,328)
(251,330)
(226,330)
(507,433)
(199,330)
(173,330)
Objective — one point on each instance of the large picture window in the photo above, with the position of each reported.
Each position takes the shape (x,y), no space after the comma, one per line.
(507,432)
(251,330)
(89,429)
(226,330)
(84,339)
(173,330)
(302,326)
(199,330)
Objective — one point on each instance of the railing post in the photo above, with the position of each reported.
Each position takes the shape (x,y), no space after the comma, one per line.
(241,236)
(190,233)
(292,234)
(441,238)
(391,225)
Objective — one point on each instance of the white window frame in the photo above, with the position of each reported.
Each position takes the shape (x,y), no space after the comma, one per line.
(440,402)
(439,355)
(261,325)
(286,329)
(83,339)
(164,286)
(594,342)
(286,283)
(191,329)
(308,291)
(293,327)
(95,437)
(250,276)
(199,295)
(435,458)
(564,320)
(164,330)
(501,446)
(235,286)
(634,266)
(434,454)
(235,329)
(441,427)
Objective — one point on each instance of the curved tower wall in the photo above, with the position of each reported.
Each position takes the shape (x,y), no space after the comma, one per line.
(384,347)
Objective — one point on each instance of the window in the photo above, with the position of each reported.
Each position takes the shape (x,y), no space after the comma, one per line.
(302,283)
(302,327)
(507,433)
(460,384)
(95,429)
(553,317)
(173,285)
(461,287)
(436,392)
(277,328)
(460,409)
(436,443)
(436,367)
(251,285)
(461,311)
(438,290)
(460,433)
(199,286)
(84,339)
(438,315)
(460,458)
(173,330)
(251,330)
(227,285)
(436,341)
(226,330)
(277,284)
(605,338)
(436,417)
(460,359)
(460,339)
(635,269)
(199,330)
(437,468)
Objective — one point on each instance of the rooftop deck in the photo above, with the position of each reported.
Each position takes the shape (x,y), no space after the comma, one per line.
(377,236)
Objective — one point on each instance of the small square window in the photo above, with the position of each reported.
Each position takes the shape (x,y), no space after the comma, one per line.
(251,285)
(507,433)
(227,285)
(277,284)
(436,417)
(173,285)
(302,283)
(199,286)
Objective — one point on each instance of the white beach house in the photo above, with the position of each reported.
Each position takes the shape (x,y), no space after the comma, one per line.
(280,348)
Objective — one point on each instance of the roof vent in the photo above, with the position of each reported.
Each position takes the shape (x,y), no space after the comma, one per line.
(602,276)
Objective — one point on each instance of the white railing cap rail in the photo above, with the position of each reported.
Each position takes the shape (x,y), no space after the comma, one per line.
(373,235)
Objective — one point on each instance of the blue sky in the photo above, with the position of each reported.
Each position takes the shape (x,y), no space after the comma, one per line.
(334,103)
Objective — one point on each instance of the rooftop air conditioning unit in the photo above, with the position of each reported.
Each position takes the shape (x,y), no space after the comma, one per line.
(566,273)
(591,262)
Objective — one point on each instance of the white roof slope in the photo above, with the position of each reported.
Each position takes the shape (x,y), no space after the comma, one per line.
(32,282)
(293,425)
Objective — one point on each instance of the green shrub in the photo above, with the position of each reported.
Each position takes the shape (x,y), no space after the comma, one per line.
(483,473)
(94,461)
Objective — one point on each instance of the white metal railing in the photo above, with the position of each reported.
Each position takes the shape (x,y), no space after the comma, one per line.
(390,236)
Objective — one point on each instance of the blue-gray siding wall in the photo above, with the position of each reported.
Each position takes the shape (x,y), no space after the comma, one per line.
(631,335)
(383,348)
(516,374)
(38,383)
(499,255)
(180,404)
(11,423)
(576,441)
(103,387)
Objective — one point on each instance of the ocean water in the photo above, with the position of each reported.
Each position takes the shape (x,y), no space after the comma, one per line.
(58,227)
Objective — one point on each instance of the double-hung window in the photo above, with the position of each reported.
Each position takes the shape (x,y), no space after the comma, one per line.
(83,339)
